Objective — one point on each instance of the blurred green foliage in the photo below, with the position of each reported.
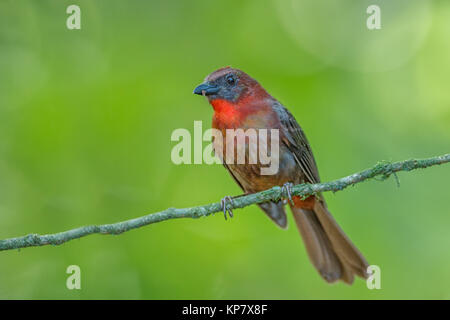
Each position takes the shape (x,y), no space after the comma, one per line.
(85,123)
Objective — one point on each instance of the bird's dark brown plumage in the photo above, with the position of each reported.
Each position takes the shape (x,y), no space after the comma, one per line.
(240,102)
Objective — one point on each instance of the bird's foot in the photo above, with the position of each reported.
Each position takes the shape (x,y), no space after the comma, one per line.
(286,191)
(227,206)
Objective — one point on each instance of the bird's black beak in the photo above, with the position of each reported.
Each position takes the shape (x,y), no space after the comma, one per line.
(206,89)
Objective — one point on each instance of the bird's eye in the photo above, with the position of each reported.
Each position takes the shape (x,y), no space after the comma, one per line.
(230,79)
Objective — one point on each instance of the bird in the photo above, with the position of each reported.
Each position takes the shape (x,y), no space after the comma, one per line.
(240,102)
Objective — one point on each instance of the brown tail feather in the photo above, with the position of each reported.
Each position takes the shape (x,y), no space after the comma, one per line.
(329,249)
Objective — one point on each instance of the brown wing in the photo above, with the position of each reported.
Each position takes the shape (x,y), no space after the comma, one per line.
(294,138)
(329,248)
(234,177)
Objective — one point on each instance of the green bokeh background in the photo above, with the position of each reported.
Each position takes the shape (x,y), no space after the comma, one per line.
(86,118)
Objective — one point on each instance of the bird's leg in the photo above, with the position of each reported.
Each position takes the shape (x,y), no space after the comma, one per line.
(227,206)
(286,191)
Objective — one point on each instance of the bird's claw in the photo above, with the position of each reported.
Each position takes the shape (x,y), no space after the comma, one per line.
(227,200)
(286,190)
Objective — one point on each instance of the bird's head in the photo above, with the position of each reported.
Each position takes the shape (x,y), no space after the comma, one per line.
(230,86)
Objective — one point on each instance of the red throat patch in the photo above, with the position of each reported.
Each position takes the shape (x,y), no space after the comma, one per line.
(225,111)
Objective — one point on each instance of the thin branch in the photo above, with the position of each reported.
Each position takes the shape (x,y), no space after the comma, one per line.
(383,170)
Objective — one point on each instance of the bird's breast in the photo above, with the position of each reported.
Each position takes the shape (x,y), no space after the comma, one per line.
(242,143)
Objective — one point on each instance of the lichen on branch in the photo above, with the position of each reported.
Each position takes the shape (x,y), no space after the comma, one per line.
(382,170)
